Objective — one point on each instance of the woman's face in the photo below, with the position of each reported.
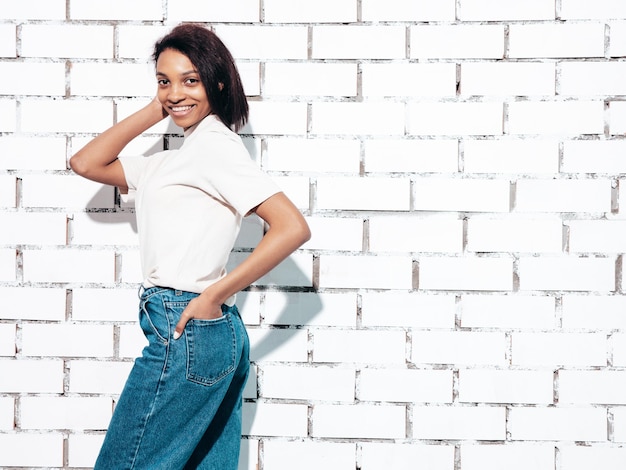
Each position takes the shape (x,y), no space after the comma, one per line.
(180,89)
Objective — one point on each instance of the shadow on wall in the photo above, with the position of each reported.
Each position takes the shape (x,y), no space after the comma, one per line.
(274,338)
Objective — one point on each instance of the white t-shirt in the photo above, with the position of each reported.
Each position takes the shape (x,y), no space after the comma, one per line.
(190,203)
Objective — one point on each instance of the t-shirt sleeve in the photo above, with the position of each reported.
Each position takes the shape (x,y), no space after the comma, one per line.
(133,168)
(237,178)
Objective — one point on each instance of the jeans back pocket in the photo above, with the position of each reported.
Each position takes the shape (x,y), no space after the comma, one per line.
(211,349)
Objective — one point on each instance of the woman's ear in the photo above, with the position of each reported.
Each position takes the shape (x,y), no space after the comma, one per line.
(221,86)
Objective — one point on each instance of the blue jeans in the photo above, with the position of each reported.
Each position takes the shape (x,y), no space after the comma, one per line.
(181,405)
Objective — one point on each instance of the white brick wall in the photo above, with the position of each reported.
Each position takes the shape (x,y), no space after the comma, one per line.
(460,305)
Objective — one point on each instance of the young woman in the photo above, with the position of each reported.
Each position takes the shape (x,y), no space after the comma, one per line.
(181,406)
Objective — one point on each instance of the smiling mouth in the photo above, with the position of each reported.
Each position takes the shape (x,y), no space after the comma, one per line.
(180,109)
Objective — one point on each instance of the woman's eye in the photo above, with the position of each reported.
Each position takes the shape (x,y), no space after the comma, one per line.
(192,81)
(162,82)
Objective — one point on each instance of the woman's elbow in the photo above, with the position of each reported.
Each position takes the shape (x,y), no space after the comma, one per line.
(77,165)
(303,232)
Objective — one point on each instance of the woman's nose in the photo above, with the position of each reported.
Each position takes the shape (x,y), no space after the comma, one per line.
(175,93)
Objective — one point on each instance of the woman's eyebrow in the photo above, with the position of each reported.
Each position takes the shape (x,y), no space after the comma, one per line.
(189,72)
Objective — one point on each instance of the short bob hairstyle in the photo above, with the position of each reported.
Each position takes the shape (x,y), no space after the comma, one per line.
(216,67)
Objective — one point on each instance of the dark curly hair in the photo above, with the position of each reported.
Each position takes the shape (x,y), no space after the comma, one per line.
(216,67)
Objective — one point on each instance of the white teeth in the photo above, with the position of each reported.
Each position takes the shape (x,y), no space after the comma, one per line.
(177,109)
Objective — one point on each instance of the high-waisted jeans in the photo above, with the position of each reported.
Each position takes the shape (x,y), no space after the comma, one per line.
(181,405)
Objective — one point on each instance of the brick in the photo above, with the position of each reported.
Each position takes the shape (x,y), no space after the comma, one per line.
(363,193)
(580,457)
(243,11)
(8,265)
(49,265)
(506,386)
(411,156)
(556,117)
(514,456)
(591,78)
(592,386)
(465,273)
(32,153)
(32,303)
(17,449)
(8,115)
(8,191)
(508,10)
(35,10)
(617,118)
(329,233)
(23,78)
(8,40)
(558,424)
(355,346)
(310,79)
(311,155)
(529,41)
(7,410)
(102,79)
(297,188)
(507,78)
(7,339)
(407,310)
(70,340)
(601,236)
(409,79)
(98,377)
(28,376)
(511,156)
(460,41)
(445,422)
(559,349)
(65,412)
(132,341)
(296,270)
(355,118)
(408,10)
(137,42)
(20,228)
(359,421)
(303,308)
(274,419)
(563,195)
(278,345)
(324,11)
(579,9)
(249,454)
(307,383)
(567,273)
(619,425)
(518,234)
(402,234)
(593,312)
(617,38)
(359,42)
(307,455)
(116,10)
(512,311)
(83,449)
(378,272)
(379,456)
(66,116)
(276,42)
(67,41)
(405,385)
(250,74)
(104,228)
(276,118)
(458,347)
(593,156)
(130,269)
(466,194)
(65,191)
(455,118)
(93,304)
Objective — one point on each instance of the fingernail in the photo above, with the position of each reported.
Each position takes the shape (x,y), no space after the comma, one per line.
(176,335)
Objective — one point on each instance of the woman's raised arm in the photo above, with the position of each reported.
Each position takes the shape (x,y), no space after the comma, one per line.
(97,160)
